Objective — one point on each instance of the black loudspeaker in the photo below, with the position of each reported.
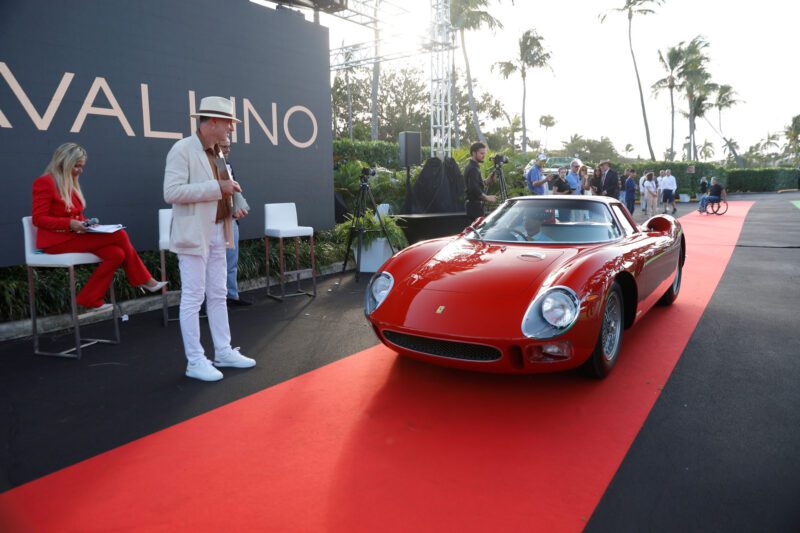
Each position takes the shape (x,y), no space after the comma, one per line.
(410,148)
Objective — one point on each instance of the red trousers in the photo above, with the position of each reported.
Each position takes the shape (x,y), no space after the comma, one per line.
(114,249)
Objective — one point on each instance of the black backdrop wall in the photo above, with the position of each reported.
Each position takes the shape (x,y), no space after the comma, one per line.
(121,78)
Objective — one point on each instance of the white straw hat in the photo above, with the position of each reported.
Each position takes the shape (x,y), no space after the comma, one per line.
(217,107)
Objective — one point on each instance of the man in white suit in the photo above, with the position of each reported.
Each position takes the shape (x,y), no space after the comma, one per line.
(200,190)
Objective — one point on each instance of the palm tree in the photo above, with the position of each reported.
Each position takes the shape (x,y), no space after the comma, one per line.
(531,55)
(466,15)
(546,122)
(671,62)
(707,150)
(697,84)
(792,133)
(628,149)
(638,7)
(726,98)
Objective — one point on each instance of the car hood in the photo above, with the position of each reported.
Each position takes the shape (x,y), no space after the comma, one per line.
(469,267)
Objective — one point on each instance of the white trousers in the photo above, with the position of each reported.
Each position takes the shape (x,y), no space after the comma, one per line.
(205,276)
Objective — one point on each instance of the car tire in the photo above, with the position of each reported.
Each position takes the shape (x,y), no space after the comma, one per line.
(609,339)
(675,288)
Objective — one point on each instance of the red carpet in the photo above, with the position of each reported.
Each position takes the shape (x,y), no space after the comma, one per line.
(377,443)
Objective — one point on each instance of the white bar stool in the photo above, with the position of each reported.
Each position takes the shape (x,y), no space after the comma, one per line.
(37,258)
(280,221)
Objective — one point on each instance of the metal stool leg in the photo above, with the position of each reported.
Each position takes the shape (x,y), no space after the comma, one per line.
(164,308)
(313,267)
(74,306)
(32,302)
(283,288)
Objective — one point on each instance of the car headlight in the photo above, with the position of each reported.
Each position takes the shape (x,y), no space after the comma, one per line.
(378,289)
(551,313)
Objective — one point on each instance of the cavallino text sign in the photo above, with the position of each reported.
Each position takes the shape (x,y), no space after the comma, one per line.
(121,79)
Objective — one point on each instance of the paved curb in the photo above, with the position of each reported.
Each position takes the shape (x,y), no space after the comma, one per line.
(22,328)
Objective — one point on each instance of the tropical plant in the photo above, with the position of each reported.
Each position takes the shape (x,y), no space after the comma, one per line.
(372,230)
(631,8)
(468,15)
(671,61)
(531,55)
(546,122)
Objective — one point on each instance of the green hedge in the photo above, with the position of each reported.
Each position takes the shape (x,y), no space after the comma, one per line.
(762,179)
(52,294)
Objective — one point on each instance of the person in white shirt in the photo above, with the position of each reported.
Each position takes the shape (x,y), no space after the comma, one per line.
(668,188)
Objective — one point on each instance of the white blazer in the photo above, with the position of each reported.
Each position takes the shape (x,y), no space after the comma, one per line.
(190,187)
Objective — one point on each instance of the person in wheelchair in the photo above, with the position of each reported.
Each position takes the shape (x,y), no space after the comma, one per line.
(715,193)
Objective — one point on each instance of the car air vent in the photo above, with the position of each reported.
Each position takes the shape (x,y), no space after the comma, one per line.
(441,348)
(532,256)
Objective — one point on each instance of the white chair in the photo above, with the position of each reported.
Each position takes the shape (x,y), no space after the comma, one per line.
(36,258)
(164,228)
(280,221)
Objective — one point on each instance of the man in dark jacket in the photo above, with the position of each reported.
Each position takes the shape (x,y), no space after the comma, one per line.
(476,194)
(610,180)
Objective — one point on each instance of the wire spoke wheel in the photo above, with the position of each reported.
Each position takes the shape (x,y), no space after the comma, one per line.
(609,339)
(721,207)
(611,331)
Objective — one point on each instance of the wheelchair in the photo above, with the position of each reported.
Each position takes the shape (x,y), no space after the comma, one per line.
(718,207)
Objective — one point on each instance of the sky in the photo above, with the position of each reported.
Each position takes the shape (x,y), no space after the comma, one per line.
(591,89)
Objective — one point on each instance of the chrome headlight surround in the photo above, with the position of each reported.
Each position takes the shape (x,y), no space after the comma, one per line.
(552,313)
(378,289)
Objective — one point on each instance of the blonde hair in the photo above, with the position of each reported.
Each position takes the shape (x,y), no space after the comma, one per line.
(64,160)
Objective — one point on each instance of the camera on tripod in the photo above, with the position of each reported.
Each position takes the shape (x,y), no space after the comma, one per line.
(366,172)
(499,160)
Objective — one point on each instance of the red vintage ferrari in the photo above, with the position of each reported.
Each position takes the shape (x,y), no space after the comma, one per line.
(542,284)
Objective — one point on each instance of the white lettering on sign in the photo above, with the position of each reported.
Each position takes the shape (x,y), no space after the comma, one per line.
(87,107)
(41,122)
(289,113)
(146,119)
(250,110)
(249,113)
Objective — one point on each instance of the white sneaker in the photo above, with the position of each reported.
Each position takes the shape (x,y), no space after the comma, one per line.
(232,358)
(203,370)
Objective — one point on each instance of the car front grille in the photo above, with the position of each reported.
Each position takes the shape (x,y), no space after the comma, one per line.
(441,348)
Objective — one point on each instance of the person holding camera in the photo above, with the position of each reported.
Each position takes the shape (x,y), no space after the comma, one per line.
(535,177)
(476,188)
(57,213)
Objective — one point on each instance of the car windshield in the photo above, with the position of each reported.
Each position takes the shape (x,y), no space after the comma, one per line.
(549,221)
(553,162)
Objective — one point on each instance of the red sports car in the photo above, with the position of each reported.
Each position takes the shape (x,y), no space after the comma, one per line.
(542,284)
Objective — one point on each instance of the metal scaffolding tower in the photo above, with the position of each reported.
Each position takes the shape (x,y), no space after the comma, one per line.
(441,50)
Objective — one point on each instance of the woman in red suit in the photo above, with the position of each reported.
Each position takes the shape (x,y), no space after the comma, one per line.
(58,205)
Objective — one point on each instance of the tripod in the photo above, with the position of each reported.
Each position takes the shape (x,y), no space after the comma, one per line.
(501,182)
(357,224)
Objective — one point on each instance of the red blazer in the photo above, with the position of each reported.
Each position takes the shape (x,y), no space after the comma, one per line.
(50,214)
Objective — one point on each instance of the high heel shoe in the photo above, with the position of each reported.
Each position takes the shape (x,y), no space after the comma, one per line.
(155,288)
